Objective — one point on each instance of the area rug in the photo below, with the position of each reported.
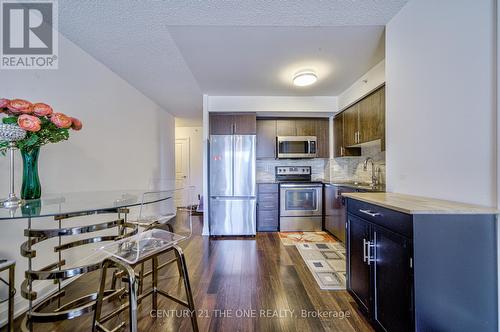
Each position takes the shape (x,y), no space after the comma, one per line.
(327,263)
(292,238)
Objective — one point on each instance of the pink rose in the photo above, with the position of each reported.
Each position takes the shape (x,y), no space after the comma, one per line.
(20,106)
(61,120)
(29,122)
(4,103)
(42,109)
(76,124)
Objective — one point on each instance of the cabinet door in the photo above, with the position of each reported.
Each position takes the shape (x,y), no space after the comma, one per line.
(338,138)
(221,124)
(286,128)
(393,300)
(266,138)
(305,127)
(322,134)
(351,125)
(358,270)
(382,108)
(245,124)
(371,118)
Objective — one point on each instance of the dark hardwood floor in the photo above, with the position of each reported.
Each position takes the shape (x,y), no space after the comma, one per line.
(237,277)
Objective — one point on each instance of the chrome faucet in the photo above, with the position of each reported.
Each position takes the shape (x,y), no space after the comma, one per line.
(365,167)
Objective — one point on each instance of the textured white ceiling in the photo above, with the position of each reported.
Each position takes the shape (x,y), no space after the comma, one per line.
(261,61)
(132,38)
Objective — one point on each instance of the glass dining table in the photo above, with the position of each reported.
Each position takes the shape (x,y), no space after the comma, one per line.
(64,208)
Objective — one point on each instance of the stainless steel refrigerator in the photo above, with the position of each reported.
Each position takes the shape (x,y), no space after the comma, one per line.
(232,185)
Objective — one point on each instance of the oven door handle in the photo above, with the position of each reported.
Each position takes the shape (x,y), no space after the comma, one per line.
(301,185)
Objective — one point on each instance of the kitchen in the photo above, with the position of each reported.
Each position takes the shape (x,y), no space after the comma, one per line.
(288,160)
(271,166)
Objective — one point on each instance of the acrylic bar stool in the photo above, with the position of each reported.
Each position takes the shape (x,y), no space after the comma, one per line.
(135,251)
(9,265)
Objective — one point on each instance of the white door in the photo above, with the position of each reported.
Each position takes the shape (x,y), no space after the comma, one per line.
(182,167)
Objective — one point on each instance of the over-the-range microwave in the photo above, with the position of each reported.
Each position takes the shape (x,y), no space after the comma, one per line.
(296,147)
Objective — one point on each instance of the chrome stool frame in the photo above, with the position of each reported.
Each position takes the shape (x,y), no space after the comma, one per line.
(134,298)
(10,265)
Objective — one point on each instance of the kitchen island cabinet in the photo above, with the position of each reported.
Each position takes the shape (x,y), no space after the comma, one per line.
(418,264)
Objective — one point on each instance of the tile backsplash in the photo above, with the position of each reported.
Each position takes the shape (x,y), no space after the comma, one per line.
(265,168)
(351,168)
(343,169)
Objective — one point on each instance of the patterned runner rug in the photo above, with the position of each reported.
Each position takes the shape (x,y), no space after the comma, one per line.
(327,263)
(292,238)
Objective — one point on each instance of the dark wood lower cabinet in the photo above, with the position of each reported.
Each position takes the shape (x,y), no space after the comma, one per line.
(380,273)
(393,300)
(267,207)
(357,267)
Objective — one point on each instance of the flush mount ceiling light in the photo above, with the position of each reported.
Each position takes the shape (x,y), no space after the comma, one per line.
(304,78)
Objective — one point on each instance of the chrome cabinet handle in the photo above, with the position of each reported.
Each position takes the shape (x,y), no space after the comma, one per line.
(370,213)
(364,250)
(367,245)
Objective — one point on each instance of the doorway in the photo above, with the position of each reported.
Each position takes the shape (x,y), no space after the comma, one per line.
(182,174)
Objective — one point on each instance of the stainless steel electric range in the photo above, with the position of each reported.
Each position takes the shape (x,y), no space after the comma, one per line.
(301,200)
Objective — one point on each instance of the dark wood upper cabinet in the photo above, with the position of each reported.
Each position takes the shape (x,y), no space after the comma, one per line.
(360,123)
(338,135)
(233,124)
(305,127)
(286,128)
(351,125)
(245,124)
(221,124)
(371,117)
(266,138)
(322,134)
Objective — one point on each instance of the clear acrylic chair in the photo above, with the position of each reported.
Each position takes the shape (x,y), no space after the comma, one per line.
(148,245)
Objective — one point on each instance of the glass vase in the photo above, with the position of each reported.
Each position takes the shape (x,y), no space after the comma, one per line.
(31,188)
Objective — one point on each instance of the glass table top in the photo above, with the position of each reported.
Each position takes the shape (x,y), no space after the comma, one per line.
(81,202)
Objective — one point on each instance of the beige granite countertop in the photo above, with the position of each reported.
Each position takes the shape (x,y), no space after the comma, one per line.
(419,205)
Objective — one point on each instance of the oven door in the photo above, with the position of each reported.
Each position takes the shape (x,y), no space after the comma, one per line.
(296,146)
(300,200)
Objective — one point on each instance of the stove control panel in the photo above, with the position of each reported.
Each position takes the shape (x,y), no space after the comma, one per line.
(293,170)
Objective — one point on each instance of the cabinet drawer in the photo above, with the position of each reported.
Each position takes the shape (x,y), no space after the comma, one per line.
(395,221)
(267,220)
(268,202)
(268,188)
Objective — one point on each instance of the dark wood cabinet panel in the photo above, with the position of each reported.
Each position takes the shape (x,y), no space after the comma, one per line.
(393,304)
(322,133)
(267,207)
(358,270)
(305,127)
(382,121)
(371,118)
(245,124)
(266,138)
(286,128)
(351,125)
(221,124)
(338,138)
(233,124)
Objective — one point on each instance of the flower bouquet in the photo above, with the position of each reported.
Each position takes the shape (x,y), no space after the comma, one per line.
(42,126)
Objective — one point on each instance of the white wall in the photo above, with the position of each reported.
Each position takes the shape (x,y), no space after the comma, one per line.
(365,84)
(441,110)
(195,135)
(126,138)
(272,104)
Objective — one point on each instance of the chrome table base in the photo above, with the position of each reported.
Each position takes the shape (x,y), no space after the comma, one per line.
(40,313)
